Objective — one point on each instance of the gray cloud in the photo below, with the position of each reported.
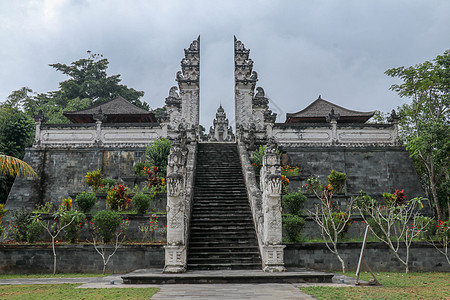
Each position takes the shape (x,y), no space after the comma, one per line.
(339,49)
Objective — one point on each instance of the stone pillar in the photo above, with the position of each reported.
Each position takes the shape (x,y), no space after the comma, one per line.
(333,118)
(393,119)
(189,83)
(245,80)
(99,118)
(38,119)
(173,109)
(271,186)
(175,250)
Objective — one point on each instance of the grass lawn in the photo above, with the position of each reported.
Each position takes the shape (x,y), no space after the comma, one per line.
(73,275)
(68,291)
(395,286)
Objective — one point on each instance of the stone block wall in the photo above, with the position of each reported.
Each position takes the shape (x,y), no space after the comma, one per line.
(25,259)
(77,259)
(423,257)
(61,172)
(373,169)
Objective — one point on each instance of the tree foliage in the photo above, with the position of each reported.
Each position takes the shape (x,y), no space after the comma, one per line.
(88,84)
(424,126)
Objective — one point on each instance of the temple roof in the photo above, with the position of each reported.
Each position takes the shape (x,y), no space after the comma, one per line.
(117,110)
(318,111)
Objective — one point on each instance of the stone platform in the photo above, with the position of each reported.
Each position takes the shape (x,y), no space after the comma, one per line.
(155,276)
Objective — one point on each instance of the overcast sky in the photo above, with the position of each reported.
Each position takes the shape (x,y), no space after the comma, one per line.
(300,49)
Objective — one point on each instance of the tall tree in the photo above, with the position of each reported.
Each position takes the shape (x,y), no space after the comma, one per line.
(16,130)
(425,124)
(88,79)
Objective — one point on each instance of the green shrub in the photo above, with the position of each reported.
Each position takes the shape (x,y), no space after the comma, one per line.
(141,202)
(34,230)
(106,223)
(257,158)
(293,202)
(337,181)
(139,167)
(85,201)
(72,230)
(23,228)
(293,226)
(313,185)
(107,185)
(20,220)
(158,152)
(2,212)
(94,179)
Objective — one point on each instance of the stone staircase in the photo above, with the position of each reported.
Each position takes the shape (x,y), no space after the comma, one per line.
(222,234)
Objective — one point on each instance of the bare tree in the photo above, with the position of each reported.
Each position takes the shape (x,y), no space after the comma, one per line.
(332,220)
(101,246)
(53,230)
(393,224)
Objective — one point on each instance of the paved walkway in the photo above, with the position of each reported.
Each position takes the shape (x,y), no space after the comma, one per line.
(195,291)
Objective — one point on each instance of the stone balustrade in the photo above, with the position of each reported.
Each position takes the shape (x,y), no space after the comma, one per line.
(332,134)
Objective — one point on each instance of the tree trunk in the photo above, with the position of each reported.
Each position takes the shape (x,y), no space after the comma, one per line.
(54,255)
(431,175)
(434,193)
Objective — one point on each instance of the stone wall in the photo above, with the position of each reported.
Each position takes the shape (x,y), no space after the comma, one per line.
(423,257)
(77,259)
(373,169)
(61,172)
(83,258)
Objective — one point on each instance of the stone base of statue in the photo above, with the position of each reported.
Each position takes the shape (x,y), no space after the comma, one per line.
(273,258)
(175,259)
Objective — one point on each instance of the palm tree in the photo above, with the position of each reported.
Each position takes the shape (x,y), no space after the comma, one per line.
(13,166)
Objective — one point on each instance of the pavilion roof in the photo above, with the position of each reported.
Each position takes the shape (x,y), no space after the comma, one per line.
(318,111)
(117,110)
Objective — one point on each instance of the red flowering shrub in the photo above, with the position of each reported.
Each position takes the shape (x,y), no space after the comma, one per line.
(118,198)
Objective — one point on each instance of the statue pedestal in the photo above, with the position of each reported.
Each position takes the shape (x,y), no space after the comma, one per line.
(273,258)
(175,256)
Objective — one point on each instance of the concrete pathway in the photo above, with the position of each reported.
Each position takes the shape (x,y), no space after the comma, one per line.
(230,291)
(277,291)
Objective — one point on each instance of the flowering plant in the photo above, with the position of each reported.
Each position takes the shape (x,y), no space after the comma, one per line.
(289,171)
(118,198)
(285,183)
(396,199)
(66,204)
(94,179)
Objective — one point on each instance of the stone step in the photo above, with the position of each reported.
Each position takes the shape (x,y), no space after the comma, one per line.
(230,249)
(220,276)
(224,266)
(224,216)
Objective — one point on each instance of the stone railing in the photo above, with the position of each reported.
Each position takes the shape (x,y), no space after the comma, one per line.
(333,134)
(180,187)
(96,135)
(253,192)
(266,206)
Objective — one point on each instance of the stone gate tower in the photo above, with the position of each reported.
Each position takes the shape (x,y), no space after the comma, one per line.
(189,84)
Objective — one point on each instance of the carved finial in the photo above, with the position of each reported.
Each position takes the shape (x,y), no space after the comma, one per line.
(259,92)
(174,98)
(271,145)
(393,117)
(99,117)
(332,116)
(39,117)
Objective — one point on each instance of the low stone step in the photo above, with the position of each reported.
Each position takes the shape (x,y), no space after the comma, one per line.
(244,244)
(226,266)
(228,249)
